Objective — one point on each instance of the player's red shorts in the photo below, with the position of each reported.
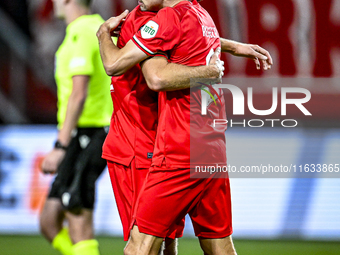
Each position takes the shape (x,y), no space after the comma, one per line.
(127,183)
(168,195)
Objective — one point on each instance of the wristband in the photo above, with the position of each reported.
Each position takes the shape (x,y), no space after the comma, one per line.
(58,145)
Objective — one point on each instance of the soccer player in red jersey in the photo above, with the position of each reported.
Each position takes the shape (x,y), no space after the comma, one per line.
(211,34)
(129,145)
(188,33)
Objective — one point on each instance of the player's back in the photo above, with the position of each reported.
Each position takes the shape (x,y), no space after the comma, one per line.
(134,121)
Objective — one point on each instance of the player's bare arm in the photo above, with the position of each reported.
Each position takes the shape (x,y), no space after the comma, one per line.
(255,52)
(117,61)
(161,75)
(74,109)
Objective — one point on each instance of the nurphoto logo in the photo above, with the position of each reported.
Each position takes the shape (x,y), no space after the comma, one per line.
(209,94)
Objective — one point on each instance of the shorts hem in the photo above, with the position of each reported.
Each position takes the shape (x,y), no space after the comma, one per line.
(126,238)
(146,230)
(208,235)
(125,162)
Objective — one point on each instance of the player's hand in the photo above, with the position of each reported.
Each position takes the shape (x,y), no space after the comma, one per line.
(115,32)
(218,63)
(52,161)
(255,52)
(112,23)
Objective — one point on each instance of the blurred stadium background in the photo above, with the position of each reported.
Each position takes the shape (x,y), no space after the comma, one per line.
(298,214)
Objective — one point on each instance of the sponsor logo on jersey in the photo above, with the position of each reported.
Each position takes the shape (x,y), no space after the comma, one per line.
(214,95)
(149,30)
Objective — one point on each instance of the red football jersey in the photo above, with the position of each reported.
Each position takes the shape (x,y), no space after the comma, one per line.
(184,136)
(134,120)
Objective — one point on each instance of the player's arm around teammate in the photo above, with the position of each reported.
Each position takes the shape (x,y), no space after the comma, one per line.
(252,51)
(117,61)
(159,73)
(162,75)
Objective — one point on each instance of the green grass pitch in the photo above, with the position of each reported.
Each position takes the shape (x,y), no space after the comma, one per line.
(36,245)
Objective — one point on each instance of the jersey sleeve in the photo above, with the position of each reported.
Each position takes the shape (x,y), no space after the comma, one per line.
(83,50)
(160,34)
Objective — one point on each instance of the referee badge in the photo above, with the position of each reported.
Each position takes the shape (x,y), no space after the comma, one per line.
(84,140)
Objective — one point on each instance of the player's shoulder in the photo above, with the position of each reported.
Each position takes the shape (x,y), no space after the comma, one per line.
(181,9)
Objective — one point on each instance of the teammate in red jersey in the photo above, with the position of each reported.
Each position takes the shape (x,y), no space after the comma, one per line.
(130,142)
(151,27)
(189,38)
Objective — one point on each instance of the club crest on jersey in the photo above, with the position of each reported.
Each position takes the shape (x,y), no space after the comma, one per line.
(149,30)
(215,95)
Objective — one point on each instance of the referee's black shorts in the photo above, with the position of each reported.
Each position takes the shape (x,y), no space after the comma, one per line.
(81,166)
